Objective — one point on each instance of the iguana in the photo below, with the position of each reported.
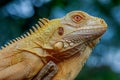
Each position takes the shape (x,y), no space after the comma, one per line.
(52,50)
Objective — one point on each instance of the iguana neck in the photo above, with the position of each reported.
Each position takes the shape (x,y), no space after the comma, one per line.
(43,35)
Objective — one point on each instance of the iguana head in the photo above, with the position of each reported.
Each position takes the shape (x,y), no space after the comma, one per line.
(75,29)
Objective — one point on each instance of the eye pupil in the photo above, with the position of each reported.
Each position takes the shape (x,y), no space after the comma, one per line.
(60,30)
(77,18)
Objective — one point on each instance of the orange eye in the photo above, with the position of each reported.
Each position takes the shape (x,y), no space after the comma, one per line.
(76,18)
(60,31)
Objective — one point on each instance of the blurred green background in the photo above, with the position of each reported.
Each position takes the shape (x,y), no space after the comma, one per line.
(17,16)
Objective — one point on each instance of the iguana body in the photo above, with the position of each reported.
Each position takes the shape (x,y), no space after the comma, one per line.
(56,48)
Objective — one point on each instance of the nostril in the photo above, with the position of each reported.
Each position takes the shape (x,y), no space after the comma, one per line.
(101,21)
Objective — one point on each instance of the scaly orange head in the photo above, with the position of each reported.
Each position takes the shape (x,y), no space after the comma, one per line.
(75,31)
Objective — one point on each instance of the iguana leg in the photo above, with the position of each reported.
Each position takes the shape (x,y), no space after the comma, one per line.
(47,72)
(15,72)
(15,69)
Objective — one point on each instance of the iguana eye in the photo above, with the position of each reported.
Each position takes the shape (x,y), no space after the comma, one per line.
(76,18)
(60,31)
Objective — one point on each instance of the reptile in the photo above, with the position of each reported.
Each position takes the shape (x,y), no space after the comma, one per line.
(53,49)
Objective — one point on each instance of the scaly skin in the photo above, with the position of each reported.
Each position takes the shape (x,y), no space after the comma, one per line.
(63,43)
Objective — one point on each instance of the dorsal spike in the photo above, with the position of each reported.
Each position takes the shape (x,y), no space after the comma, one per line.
(17,39)
(47,20)
(37,26)
(22,37)
(2,47)
(11,42)
(5,45)
(25,35)
(28,33)
(34,28)
(31,31)
(43,21)
(14,40)
(8,43)
(40,24)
